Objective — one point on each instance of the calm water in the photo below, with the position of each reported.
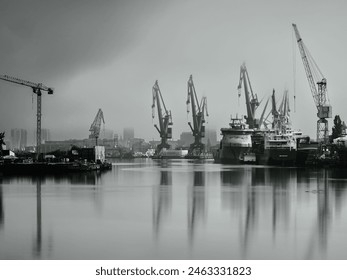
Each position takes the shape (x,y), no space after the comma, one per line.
(176,209)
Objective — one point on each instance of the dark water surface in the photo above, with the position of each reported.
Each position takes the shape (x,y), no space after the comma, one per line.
(178,209)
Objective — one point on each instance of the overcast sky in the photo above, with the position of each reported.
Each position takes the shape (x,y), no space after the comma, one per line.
(108,54)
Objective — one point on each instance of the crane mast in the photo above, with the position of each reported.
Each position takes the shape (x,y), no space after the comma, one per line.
(252,102)
(96,126)
(164,117)
(37,88)
(198,115)
(318,87)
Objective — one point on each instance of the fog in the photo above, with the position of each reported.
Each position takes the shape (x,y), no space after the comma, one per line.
(108,54)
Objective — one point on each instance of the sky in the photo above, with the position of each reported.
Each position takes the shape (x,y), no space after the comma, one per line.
(108,54)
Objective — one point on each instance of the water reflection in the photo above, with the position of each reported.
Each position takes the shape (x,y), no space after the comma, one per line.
(196,203)
(160,210)
(38,243)
(162,197)
(277,196)
(1,206)
(319,239)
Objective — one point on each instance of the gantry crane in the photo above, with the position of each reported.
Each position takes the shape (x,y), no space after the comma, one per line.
(198,115)
(37,88)
(96,125)
(319,92)
(164,116)
(252,102)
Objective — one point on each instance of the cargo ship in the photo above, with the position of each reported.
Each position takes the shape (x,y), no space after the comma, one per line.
(236,144)
(281,148)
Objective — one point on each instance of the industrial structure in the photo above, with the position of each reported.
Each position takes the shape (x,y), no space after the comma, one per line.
(198,115)
(96,126)
(252,102)
(37,89)
(318,86)
(164,118)
(281,119)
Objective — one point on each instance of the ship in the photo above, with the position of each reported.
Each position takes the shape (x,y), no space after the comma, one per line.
(171,154)
(236,144)
(280,148)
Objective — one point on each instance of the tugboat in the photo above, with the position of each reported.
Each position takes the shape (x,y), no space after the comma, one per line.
(236,144)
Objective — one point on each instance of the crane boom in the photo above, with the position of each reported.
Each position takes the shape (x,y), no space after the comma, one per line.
(252,102)
(198,115)
(96,126)
(164,116)
(319,92)
(37,88)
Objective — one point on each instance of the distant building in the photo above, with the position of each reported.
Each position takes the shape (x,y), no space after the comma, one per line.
(107,134)
(211,137)
(45,135)
(128,133)
(18,139)
(186,138)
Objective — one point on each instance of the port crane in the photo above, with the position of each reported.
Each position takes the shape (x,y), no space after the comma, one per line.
(198,115)
(252,102)
(318,86)
(37,89)
(96,125)
(281,120)
(164,116)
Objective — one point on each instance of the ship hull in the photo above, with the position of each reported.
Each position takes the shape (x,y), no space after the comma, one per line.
(232,155)
(281,156)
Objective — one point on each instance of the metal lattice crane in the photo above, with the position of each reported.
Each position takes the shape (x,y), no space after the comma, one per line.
(318,86)
(198,115)
(164,116)
(252,102)
(37,89)
(96,126)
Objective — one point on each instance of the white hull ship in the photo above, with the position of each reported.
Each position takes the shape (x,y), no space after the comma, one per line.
(236,144)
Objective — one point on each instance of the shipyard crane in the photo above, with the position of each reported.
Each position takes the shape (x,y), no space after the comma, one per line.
(198,115)
(37,89)
(318,86)
(96,125)
(252,102)
(164,116)
(281,120)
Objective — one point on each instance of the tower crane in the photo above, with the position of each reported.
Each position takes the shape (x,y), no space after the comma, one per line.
(318,86)
(198,115)
(96,125)
(164,116)
(252,102)
(37,89)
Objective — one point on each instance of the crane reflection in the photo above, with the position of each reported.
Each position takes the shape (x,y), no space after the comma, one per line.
(162,197)
(196,202)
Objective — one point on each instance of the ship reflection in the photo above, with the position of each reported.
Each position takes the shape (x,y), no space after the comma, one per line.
(78,178)
(317,245)
(1,207)
(196,203)
(162,197)
(253,193)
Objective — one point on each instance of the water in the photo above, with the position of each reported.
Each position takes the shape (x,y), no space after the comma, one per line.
(178,209)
